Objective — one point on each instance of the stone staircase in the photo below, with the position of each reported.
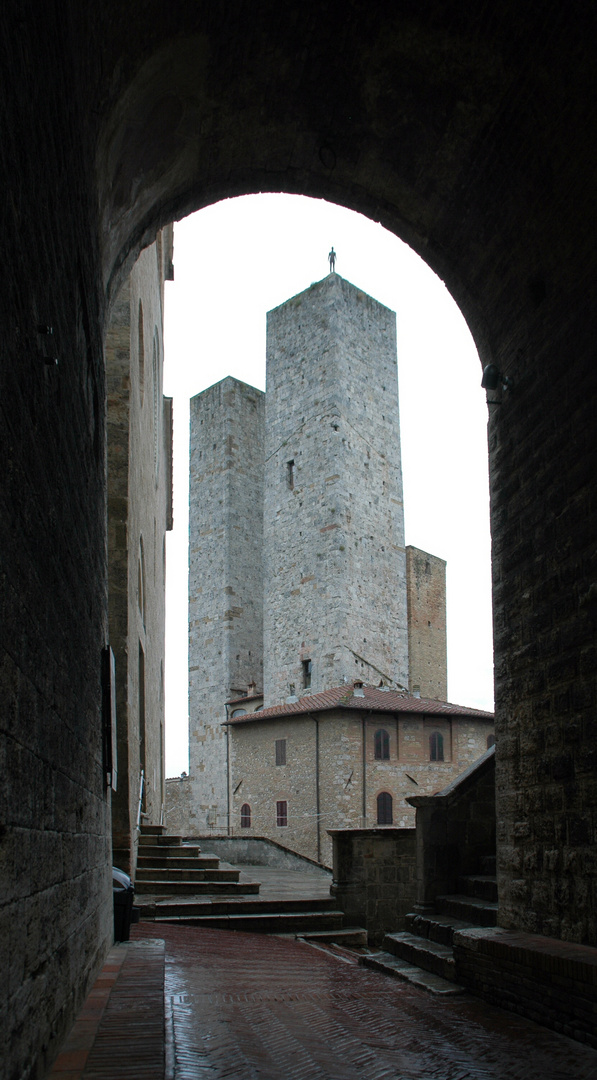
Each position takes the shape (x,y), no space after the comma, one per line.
(166,866)
(176,883)
(423,954)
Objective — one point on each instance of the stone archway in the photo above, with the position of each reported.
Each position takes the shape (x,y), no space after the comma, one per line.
(469,133)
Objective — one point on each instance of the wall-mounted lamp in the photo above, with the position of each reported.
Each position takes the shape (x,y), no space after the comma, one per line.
(493,379)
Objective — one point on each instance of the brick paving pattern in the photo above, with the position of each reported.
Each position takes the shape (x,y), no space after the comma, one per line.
(249,1007)
(119,1032)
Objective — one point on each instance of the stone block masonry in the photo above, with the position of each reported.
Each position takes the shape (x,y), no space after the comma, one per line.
(225,580)
(426,601)
(334,560)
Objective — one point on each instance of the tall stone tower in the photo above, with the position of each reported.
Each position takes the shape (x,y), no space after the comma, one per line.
(225,579)
(333,536)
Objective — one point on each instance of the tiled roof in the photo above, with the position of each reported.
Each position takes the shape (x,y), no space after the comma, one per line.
(373,700)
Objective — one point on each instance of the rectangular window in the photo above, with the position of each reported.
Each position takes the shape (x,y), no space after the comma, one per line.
(290,474)
(280,751)
(282,813)
(307,668)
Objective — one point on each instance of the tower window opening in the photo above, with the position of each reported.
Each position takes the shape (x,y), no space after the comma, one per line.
(307,670)
(436,746)
(290,474)
(282,813)
(382,745)
(280,751)
(245,816)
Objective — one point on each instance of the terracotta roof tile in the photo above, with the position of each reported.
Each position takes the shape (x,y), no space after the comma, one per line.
(373,700)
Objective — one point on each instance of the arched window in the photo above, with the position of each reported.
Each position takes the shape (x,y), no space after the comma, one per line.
(245,816)
(382,745)
(490,741)
(436,746)
(384,808)
(239,712)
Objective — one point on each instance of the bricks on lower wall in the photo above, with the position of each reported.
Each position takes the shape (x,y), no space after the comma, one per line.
(549,981)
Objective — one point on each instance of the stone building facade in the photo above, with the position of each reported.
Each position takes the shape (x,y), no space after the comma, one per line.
(345,758)
(139,513)
(297,564)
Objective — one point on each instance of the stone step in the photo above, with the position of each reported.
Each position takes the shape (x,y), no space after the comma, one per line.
(175,873)
(280,922)
(347,936)
(488,865)
(468,909)
(197,862)
(162,887)
(152,830)
(148,907)
(399,969)
(481,886)
(436,927)
(423,953)
(162,840)
(157,851)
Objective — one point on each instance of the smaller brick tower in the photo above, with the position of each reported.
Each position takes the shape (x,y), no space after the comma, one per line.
(426,596)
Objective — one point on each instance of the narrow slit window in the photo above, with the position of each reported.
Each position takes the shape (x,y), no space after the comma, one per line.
(307,669)
(245,816)
(282,813)
(436,746)
(280,751)
(290,474)
(384,808)
(382,745)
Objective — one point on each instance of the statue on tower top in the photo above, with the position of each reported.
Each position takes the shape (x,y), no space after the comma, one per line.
(332,260)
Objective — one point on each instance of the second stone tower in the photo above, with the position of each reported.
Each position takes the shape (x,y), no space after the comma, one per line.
(334,557)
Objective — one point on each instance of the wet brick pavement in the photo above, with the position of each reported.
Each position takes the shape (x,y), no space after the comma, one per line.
(249,1007)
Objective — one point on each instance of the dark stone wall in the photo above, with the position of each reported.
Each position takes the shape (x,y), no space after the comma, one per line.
(455,829)
(55,902)
(469,131)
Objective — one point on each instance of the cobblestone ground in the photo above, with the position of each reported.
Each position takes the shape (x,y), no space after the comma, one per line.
(250,1007)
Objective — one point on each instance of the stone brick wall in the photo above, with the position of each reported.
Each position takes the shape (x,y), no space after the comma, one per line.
(333,530)
(330,747)
(374,878)
(179,797)
(426,606)
(139,496)
(225,580)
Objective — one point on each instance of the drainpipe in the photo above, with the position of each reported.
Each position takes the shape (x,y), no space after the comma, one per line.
(364,720)
(228,781)
(317,800)
(364,727)
(317,806)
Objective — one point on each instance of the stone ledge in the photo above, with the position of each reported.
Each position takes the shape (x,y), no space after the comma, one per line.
(553,982)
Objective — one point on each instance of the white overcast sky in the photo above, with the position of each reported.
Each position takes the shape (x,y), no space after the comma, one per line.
(233,262)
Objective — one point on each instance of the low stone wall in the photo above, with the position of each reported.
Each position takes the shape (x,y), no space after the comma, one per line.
(552,982)
(256,851)
(374,877)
